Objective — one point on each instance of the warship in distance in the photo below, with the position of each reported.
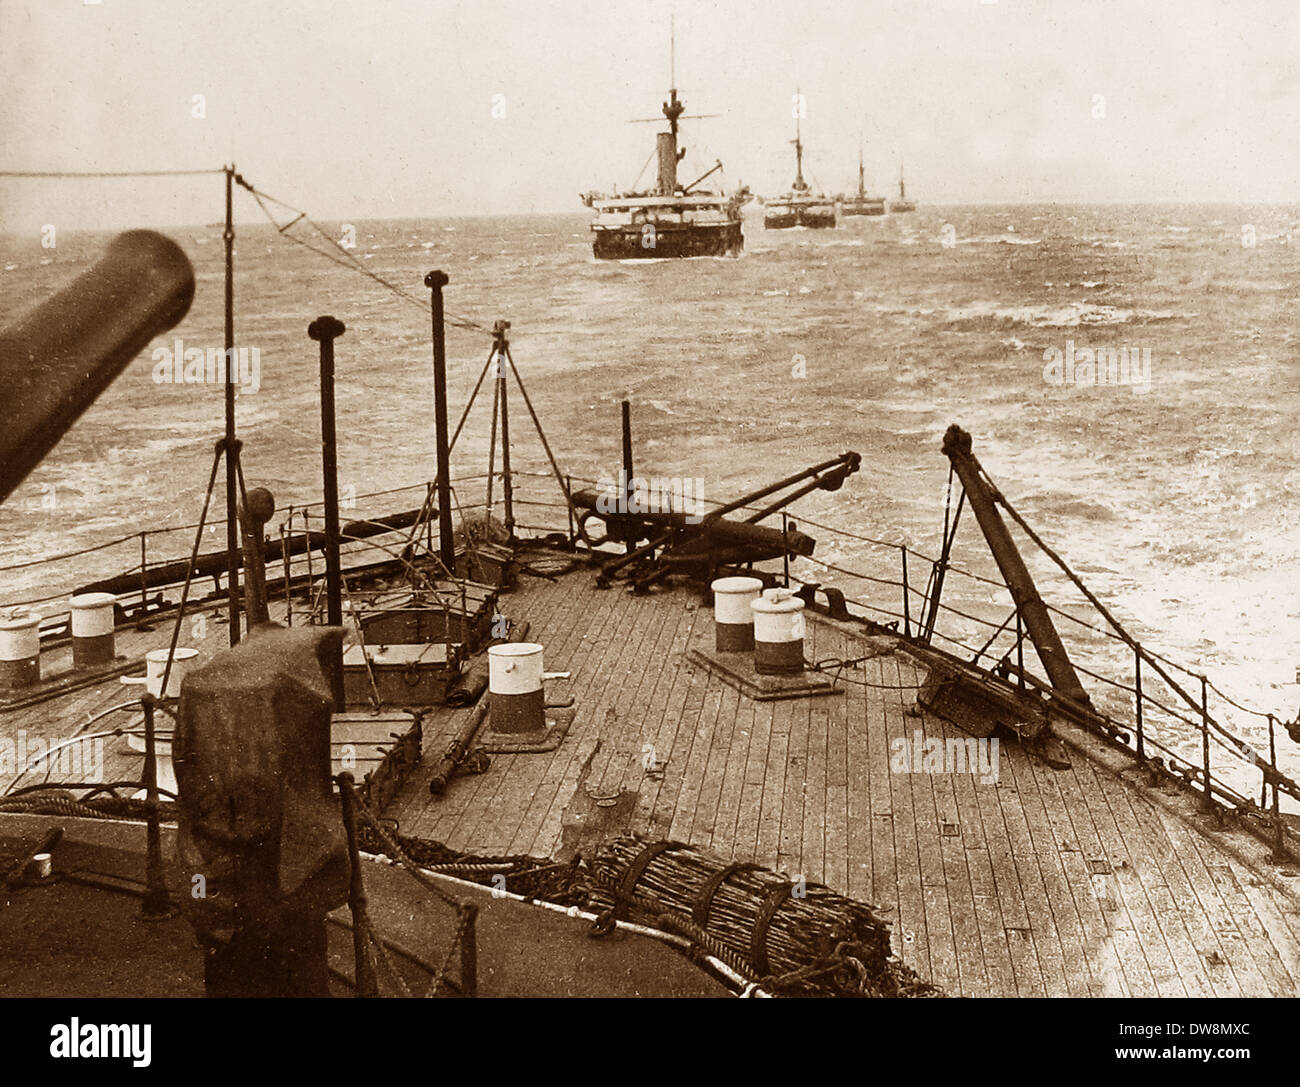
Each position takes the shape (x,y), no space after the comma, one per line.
(800,206)
(671,220)
(860,203)
(902,203)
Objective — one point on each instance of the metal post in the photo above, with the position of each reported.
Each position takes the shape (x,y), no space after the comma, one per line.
(1272,759)
(785,547)
(140,623)
(1280,854)
(1207,802)
(630,544)
(287,571)
(231,449)
(311,576)
(157,905)
(367,983)
(1020,651)
(325,330)
(435,281)
(907,605)
(1137,686)
(568,486)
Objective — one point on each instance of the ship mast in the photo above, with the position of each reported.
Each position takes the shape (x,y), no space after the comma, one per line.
(799,183)
(862,189)
(669,155)
(902,192)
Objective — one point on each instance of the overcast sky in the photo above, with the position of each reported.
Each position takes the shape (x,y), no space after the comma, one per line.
(356,109)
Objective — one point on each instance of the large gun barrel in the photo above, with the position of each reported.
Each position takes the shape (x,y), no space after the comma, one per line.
(56,359)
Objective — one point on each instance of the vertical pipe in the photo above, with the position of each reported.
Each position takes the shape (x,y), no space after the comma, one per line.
(232,451)
(629,544)
(367,983)
(568,487)
(1137,687)
(156,902)
(907,605)
(325,330)
(435,281)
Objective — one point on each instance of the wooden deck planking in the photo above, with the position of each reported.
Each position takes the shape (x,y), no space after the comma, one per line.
(911,896)
(598,697)
(794,716)
(672,717)
(754,786)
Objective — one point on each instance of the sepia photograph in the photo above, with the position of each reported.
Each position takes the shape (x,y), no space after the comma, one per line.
(685,500)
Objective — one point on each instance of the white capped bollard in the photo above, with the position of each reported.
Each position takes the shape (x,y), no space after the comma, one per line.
(20,650)
(156,664)
(518,703)
(733,619)
(92,630)
(778,633)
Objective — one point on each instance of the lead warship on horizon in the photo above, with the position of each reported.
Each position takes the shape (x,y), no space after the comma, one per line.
(861,203)
(800,206)
(671,220)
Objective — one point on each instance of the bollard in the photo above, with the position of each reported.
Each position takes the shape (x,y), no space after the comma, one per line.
(156,666)
(92,630)
(778,633)
(515,687)
(20,650)
(733,617)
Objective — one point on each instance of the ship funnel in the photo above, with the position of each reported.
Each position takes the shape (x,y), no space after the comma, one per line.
(667,163)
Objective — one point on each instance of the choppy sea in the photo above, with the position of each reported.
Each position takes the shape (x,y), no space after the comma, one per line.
(1175,493)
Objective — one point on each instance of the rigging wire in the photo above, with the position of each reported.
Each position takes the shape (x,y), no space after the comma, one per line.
(107,173)
(344,258)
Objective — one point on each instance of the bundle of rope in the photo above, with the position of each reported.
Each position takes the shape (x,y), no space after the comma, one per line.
(792,937)
(57,801)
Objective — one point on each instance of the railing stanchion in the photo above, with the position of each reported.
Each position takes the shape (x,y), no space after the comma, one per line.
(1280,854)
(311,576)
(785,547)
(1272,758)
(907,606)
(1137,687)
(1207,798)
(1020,650)
(286,561)
(140,623)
